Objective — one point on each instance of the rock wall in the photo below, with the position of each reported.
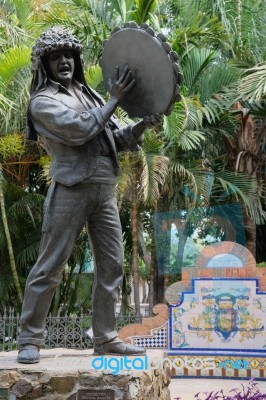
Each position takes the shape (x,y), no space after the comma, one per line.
(33,382)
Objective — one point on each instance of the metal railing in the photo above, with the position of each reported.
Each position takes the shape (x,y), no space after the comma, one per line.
(60,331)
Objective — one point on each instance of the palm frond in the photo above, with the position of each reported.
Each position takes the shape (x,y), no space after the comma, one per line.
(190,140)
(152,178)
(257,108)
(194,65)
(241,187)
(154,168)
(24,10)
(123,117)
(182,177)
(143,9)
(253,85)
(187,115)
(93,75)
(212,109)
(30,204)
(12,61)
(123,182)
(217,77)
(195,27)
(195,113)
(124,8)
(12,33)
(28,255)
(174,124)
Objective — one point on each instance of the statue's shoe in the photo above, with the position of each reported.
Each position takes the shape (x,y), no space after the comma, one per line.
(28,354)
(118,347)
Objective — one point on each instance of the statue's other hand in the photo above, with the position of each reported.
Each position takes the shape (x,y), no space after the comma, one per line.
(152,120)
(121,84)
(146,122)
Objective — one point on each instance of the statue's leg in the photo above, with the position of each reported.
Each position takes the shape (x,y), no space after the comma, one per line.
(64,216)
(104,229)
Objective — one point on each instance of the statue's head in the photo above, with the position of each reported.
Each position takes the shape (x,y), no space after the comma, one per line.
(50,43)
(47,48)
(53,40)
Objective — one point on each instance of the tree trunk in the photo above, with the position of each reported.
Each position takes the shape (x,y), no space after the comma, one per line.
(182,239)
(162,236)
(246,155)
(152,275)
(144,291)
(134,230)
(9,241)
(145,253)
(125,298)
(238,24)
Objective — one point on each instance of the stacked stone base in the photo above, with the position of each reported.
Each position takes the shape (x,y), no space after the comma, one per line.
(55,379)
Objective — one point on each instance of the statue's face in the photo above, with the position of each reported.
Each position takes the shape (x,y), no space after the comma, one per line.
(61,66)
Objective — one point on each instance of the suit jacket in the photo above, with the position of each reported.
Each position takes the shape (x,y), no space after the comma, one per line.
(69,130)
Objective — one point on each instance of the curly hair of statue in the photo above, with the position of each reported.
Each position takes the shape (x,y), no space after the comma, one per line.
(53,39)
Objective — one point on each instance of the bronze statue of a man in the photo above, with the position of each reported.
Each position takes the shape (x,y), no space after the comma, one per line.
(77,129)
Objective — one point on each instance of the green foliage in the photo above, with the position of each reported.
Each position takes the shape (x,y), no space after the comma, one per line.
(262,264)
(253,85)
(11,145)
(123,8)
(190,27)
(154,169)
(13,60)
(93,76)
(24,214)
(14,88)
(143,10)
(245,189)
(194,63)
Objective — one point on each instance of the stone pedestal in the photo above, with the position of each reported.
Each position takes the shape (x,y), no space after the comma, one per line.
(62,374)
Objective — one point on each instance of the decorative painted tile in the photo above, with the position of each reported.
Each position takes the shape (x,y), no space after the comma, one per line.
(192,372)
(179,371)
(255,363)
(229,372)
(255,373)
(157,341)
(243,373)
(205,372)
(220,314)
(217,372)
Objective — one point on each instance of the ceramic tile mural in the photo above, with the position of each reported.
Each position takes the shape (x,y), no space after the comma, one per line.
(220,314)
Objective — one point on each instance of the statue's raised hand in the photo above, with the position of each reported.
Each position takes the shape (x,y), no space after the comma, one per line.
(120,85)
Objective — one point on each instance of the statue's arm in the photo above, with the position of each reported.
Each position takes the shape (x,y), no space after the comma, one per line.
(131,137)
(57,121)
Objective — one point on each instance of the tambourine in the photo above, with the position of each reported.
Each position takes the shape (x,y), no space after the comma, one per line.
(154,66)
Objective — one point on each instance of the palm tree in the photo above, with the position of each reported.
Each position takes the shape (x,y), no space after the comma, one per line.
(143,177)
(9,146)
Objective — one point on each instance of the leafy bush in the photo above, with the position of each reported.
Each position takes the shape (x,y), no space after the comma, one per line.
(251,392)
(262,264)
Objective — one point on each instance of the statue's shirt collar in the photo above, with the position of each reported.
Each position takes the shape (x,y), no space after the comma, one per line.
(56,86)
